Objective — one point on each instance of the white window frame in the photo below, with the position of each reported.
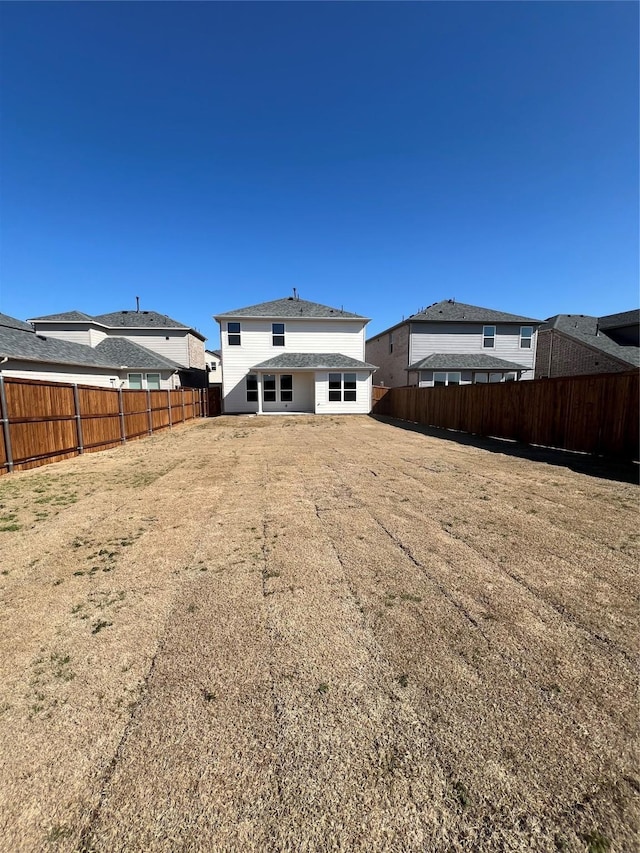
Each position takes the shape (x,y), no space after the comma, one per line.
(526,341)
(251,387)
(129,375)
(342,391)
(277,336)
(447,380)
(232,334)
(489,337)
(159,381)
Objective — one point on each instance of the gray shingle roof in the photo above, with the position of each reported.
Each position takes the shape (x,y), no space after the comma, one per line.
(449,311)
(588,331)
(624,318)
(23,343)
(122,351)
(464,361)
(313,361)
(121,320)
(13,323)
(27,345)
(72,316)
(290,307)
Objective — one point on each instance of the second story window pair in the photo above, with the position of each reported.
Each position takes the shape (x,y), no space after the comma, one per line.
(233,333)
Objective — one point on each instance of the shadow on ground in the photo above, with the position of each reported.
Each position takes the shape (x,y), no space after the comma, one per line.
(583,463)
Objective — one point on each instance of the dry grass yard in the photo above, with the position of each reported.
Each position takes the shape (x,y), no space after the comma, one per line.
(317,634)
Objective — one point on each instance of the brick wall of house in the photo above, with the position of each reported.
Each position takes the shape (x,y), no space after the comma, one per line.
(570,357)
(196,352)
(392,365)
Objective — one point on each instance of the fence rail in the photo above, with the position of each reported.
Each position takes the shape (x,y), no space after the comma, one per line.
(45,422)
(592,414)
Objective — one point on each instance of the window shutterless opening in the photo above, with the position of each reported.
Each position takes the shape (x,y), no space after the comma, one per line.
(252,388)
(135,381)
(526,336)
(233,334)
(488,337)
(277,334)
(342,387)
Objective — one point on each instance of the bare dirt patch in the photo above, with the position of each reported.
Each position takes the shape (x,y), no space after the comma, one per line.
(317,634)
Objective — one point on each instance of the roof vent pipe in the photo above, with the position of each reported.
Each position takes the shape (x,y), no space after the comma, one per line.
(137,304)
(295,293)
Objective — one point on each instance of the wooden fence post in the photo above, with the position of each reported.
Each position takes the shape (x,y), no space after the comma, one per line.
(150,416)
(123,429)
(184,416)
(169,404)
(5,425)
(76,405)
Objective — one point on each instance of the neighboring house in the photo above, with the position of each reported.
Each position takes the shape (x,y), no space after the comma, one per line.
(114,363)
(290,355)
(575,344)
(213,363)
(180,344)
(451,343)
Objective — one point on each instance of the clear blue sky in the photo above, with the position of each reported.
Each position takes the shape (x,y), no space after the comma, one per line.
(378,156)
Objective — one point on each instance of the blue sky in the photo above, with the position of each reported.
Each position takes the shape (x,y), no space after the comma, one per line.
(379,156)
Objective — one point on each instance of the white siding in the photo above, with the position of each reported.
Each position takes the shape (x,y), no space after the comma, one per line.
(361,405)
(77,334)
(176,347)
(101,377)
(304,335)
(430,338)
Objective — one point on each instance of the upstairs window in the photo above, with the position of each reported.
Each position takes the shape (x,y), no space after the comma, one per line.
(526,334)
(277,334)
(488,337)
(390,342)
(342,387)
(233,334)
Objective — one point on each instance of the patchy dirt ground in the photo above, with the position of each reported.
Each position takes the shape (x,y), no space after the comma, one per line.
(317,634)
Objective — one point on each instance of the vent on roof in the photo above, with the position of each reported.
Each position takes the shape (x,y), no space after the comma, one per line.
(290,298)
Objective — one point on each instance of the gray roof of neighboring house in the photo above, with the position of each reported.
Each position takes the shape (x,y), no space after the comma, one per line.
(313,361)
(120,320)
(464,361)
(73,316)
(450,311)
(19,341)
(291,308)
(587,330)
(127,353)
(624,318)
(29,346)
(13,323)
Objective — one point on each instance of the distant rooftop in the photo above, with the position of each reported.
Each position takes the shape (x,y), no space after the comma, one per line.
(589,330)
(120,320)
(448,310)
(313,361)
(291,307)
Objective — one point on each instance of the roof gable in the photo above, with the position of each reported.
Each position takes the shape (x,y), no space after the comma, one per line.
(290,308)
(66,316)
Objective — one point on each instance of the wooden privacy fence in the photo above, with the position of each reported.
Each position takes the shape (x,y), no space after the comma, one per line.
(45,422)
(592,414)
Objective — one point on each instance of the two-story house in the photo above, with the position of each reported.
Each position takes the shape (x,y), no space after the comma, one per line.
(450,343)
(176,342)
(575,344)
(291,355)
(115,362)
